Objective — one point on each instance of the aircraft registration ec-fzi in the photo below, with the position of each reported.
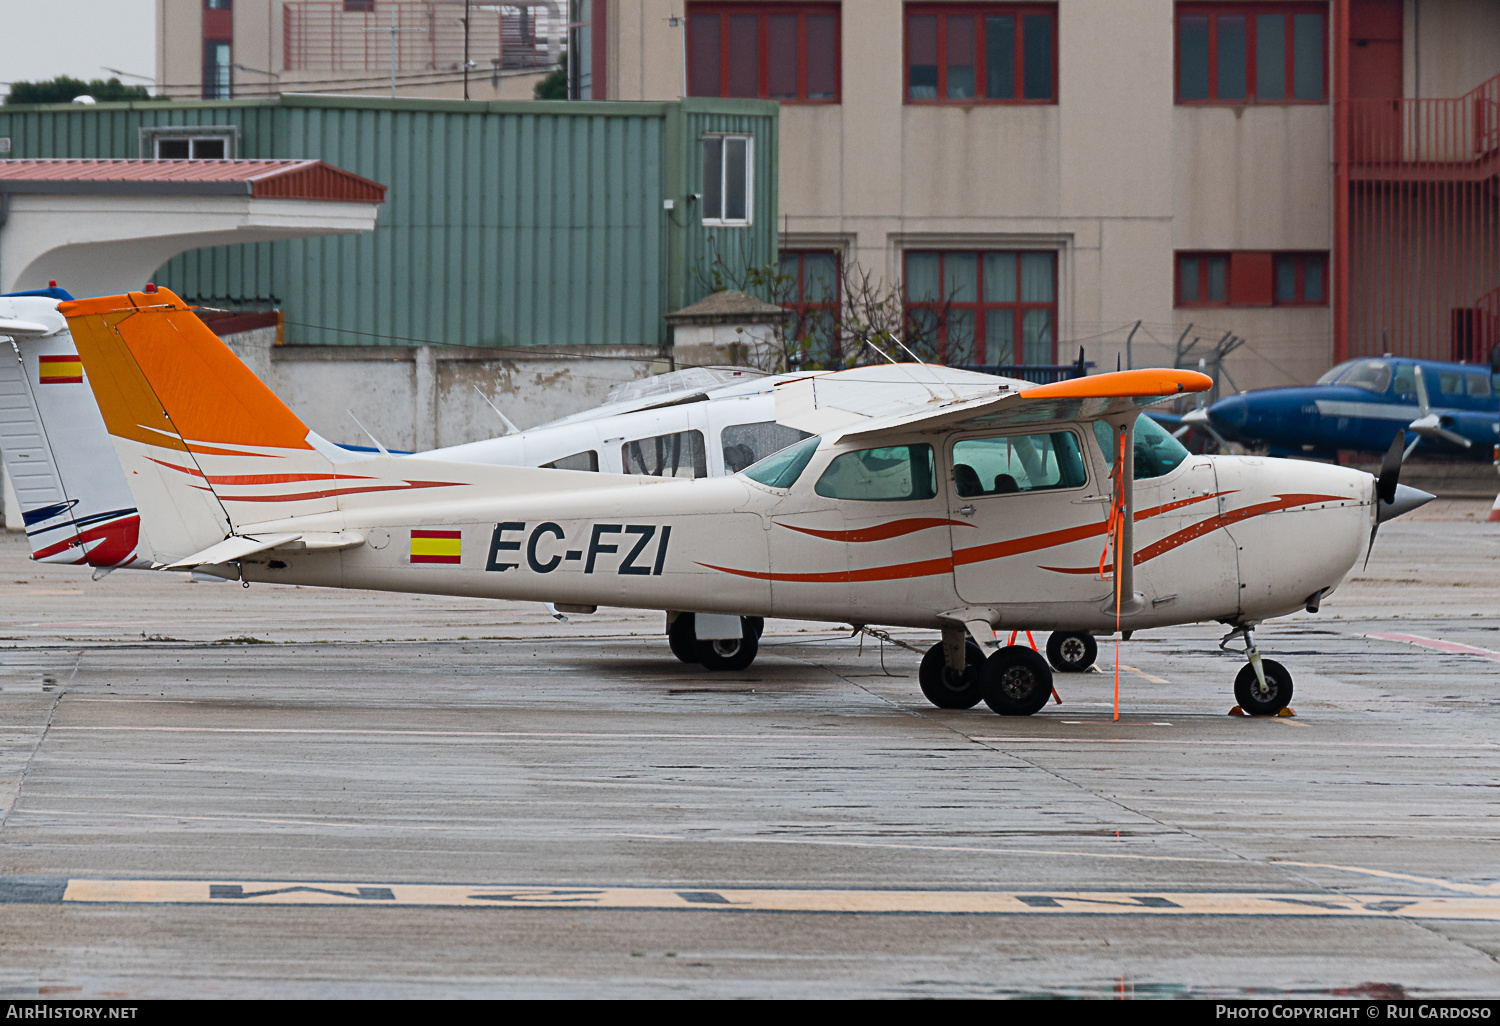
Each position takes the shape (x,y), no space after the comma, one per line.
(960,507)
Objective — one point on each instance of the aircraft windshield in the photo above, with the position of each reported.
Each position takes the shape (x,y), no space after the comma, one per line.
(1370,375)
(781,469)
(1156,452)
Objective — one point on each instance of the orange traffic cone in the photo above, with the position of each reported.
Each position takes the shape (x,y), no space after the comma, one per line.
(1495,510)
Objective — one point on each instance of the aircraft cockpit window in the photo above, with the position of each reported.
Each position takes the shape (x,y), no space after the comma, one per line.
(676,455)
(1478,384)
(1451,383)
(888,474)
(748,444)
(1331,375)
(781,469)
(1370,375)
(1406,379)
(586,460)
(1156,452)
(1018,463)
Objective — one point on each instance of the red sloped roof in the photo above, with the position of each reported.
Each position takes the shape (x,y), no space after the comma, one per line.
(276,179)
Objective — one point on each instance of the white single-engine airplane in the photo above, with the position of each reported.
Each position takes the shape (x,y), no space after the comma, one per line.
(975,507)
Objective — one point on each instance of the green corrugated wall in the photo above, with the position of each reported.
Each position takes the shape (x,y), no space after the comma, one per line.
(506,223)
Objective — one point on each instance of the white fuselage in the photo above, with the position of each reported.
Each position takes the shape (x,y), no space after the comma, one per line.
(1218,538)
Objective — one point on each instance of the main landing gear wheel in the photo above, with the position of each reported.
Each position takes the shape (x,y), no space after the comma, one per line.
(682,639)
(1017,681)
(1276,697)
(946,689)
(732,654)
(1071,651)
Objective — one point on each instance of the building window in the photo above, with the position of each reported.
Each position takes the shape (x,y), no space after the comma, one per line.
(355,6)
(1252,278)
(1203,279)
(728,179)
(985,53)
(216,81)
(1251,53)
(777,51)
(200,142)
(1301,279)
(812,292)
(218,5)
(972,308)
(586,39)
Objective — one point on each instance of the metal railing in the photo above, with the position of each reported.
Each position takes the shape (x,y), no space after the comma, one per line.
(331,36)
(1422,228)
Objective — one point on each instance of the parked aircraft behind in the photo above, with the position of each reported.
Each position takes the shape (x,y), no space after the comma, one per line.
(1438,408)
(956,507)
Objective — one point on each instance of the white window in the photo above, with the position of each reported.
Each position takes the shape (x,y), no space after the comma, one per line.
(728,179)
(199,142)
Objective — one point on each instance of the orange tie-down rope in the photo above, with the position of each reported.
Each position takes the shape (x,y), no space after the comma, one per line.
(1117,515)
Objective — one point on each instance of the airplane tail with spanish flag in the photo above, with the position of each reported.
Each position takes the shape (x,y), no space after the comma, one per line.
(221,468)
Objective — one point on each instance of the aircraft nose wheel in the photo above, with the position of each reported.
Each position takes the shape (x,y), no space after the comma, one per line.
(1071,651)
(1017,681)
(947,689)
(1276,696)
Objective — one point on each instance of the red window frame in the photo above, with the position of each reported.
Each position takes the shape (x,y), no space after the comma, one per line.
(801,306)
(982,308)
(1301,261)
(1251,98)
(977,12)
(763,12)
(1203,257)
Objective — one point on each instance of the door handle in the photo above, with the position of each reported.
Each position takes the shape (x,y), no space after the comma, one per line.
(966,511)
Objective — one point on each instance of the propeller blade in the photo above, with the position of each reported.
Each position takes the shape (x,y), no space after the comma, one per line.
(1431,426)
(1390,470)
(1454,437)
(1424,409)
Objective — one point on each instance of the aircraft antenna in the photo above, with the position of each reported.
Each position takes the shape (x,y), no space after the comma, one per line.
(882,352)
(383,450)
(510,429)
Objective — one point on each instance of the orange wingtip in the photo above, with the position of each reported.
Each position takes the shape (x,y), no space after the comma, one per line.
(161,298)
(1122,384)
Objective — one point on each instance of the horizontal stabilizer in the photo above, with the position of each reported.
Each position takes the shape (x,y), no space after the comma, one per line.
(232,548)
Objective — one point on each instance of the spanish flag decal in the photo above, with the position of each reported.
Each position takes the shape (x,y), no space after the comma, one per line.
(437,546)
(60,370)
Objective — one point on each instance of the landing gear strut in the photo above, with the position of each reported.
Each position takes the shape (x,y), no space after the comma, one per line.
(1263,687)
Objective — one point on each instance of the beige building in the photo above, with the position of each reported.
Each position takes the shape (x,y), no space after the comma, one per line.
(224,49)
(1079,172)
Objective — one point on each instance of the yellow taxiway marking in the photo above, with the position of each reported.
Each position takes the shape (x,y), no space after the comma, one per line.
(1144,675)
(1041,902)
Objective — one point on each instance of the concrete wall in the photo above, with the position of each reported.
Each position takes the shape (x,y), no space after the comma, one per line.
(423,397)
(1451,46)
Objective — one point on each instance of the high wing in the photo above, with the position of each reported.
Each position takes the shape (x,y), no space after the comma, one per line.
(868,407)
